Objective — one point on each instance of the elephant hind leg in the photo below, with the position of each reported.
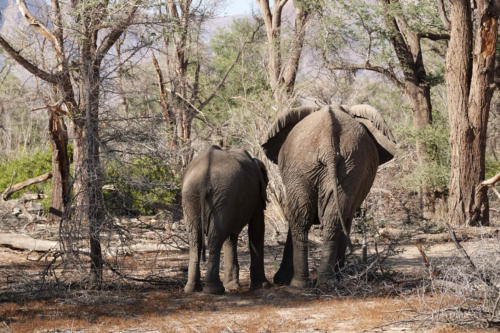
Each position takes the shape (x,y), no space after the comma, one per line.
(213,284)
(285,273)
(231,266)
(193,222)
(300,262)
(332,256)
(256,231)
(301,213)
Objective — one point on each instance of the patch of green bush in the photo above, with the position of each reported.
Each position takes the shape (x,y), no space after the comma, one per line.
(142,186)
(492,167)
(26,166)
(434,140)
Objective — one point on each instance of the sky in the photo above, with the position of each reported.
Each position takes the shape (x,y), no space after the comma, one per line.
(239,7)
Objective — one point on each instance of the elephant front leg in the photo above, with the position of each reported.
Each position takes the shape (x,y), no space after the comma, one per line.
(195,238)
(256,230)
(285,273)
(231,266)
(213,284)
(300,265)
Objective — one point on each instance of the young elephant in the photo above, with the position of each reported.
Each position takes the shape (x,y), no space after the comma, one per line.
(222,191)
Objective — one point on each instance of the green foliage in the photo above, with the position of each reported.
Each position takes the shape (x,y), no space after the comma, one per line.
(26,166)
(142,186)
(248,77)
(434,173)
(492,166)
(29,165)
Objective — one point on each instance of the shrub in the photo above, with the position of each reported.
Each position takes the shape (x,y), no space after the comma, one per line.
(434,174)
(141,186)
(26,166)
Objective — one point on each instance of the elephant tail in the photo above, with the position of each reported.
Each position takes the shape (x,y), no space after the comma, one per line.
(205,197)
(332,170)
(205,218)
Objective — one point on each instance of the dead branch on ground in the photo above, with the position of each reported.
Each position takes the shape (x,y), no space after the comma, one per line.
(19,186)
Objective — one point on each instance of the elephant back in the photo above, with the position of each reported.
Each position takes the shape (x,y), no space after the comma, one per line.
(376,125)
(280,129)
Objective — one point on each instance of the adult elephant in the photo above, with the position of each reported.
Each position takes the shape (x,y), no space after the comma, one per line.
(222,191)
(328,158)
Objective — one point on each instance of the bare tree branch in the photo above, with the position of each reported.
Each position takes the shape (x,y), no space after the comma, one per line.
(491,181)
(49,77)
(442,14)
(39,26)
(433,36)
(17,187)
(115,33)
(161,85)
(368,67)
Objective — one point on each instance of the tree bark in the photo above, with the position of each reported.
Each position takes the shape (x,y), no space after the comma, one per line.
(407,46)
(61,188)
(88,176)
(419,96)
(282,74)
(469,79)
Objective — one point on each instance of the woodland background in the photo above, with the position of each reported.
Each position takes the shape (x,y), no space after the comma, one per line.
(103,104)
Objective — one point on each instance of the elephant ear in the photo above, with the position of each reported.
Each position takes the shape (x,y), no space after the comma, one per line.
(278,132)
(375,124)
(263,180)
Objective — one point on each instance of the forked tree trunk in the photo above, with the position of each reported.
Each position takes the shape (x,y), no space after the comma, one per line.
(58,136)
(469,78)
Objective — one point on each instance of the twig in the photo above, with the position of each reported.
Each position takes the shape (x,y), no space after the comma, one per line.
(379,263)
(459,246)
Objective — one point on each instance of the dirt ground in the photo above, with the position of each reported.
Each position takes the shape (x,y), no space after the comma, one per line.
(135,307)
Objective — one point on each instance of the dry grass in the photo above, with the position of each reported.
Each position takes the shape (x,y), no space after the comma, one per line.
(277,309)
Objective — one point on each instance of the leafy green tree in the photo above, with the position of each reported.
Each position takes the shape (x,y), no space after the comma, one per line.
(389,37)
(248,77)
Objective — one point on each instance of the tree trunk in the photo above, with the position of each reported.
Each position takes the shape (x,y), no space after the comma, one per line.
(58,136)
(468,78)
(88,178)
(419,96)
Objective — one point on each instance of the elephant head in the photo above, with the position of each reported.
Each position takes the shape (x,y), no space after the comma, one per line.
(365,114)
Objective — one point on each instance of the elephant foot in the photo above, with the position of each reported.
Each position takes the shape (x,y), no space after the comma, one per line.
(260,284)
(215,288)
(232,285)
(325,277)
(300,283)
(323,283)
(283,276)
(192,287)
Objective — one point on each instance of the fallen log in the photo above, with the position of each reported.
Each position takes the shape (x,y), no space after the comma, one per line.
(19,186)
(25,242)
(463,233)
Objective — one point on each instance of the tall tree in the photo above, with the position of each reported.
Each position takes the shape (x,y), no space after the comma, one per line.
(182,96)
(283,66)
(75,76)
(404,65)
(470,63)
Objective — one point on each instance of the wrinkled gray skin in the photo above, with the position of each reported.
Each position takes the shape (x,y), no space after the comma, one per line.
(317,151)
(222,191)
